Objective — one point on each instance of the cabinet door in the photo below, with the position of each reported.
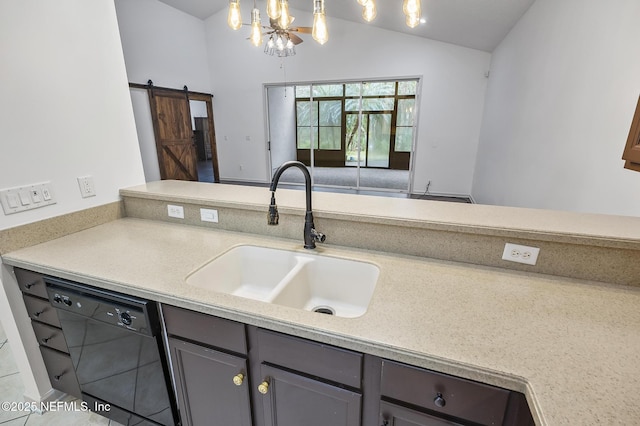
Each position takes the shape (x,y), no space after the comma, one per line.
(295,400)
(396,415)
(210,390)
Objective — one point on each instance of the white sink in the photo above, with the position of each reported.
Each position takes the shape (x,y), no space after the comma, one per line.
(330,285)
(246,271)
(311,282)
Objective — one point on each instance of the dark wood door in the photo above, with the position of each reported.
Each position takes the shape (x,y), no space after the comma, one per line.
(174,135)
(296,400)
(210,390)
(396,415)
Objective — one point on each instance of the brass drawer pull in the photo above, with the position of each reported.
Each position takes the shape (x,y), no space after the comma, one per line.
(238,379)
(263,388)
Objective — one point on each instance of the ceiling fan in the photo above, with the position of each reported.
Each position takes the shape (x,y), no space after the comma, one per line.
(275,27)
(282,37)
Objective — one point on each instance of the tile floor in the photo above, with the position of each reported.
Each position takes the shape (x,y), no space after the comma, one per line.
(12,389)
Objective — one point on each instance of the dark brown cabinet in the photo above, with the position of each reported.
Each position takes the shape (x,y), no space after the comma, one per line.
(291,399)
(397,415)
(209,361)
(443,395)
(211,385)
(46,327)
(301,382)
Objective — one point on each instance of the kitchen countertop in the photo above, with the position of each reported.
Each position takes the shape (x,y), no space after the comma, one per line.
(571,346)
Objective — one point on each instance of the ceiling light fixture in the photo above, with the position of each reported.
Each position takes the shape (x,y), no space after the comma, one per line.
(282,37)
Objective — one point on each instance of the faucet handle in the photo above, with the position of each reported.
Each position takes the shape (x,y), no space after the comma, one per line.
(318,236)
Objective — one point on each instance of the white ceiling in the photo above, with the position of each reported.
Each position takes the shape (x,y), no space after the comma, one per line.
(479,24)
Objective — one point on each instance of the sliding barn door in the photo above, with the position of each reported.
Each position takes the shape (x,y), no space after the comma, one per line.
(174,136)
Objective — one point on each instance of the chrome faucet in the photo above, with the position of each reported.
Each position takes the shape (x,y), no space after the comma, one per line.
(311,236)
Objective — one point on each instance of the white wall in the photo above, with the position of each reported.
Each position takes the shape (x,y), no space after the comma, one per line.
(166,46)
(65,112)
(563,88)
(282,109)
(451,104)
(65,109)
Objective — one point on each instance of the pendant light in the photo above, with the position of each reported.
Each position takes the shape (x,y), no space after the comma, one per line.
(369,11)
(285,18)
(256,28)
(234,19)
(319,32)
(412,11)
(273,9)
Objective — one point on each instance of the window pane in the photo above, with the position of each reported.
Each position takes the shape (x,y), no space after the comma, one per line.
(379,88)
(405,112)
(302,113)
(304,138)
(325,90)
(352,104)
(352,89)
(303,91)
(404,139)
(330,113)
(379,140)
(330,138)
(377,104)
(407,87)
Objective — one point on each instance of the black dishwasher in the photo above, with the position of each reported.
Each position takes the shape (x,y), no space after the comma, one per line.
(116,348)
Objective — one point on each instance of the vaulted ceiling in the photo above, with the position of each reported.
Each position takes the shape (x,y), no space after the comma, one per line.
(478,24)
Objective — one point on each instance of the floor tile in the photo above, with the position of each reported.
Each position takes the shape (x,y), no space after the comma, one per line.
(67,418)
(20,421)
(7,364)
(11,390)
(3,335)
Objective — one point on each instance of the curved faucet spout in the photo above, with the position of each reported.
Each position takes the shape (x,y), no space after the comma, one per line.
(305,172)
(310,233)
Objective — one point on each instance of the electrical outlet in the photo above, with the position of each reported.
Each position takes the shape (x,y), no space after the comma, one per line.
(87,189)
(209,215)
(521,254)
(175,211)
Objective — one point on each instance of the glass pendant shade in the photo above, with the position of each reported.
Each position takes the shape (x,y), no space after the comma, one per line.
(369,11)
(412,21)
(256,28)
(319,32)
(363,2)
(273,9)
(285,18)
(411,7)
(234,19)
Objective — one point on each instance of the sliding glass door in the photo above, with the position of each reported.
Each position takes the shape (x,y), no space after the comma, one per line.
(357,135)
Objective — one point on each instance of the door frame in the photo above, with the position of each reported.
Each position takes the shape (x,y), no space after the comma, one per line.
(195,96)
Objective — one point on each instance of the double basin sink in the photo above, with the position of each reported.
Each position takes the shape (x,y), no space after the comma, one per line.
(311,282)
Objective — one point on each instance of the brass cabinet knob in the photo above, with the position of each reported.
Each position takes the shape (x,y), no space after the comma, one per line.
(238,379)
(263,388)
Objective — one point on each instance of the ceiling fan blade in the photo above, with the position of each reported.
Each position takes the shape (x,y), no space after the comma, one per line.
(302,30)
(295,39)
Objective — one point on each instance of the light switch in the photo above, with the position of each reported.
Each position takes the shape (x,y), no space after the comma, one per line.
(24,198)
(13,201)
(21,198)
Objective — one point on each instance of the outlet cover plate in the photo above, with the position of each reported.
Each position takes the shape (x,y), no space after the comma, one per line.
(520,254)
(175,211)
(209,215)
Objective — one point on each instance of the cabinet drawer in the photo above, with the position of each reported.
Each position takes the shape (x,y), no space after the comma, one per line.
(31,282)
(50,336)
(312,358)
(461,398)
(41,310)
(60,370)
(206,329)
